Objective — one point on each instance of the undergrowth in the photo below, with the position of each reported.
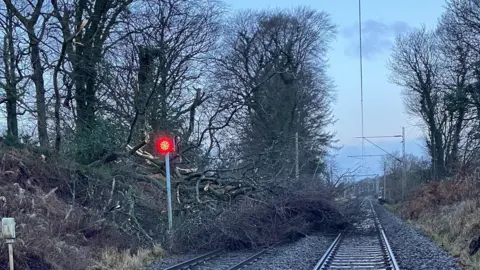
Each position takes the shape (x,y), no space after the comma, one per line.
(111,258)
(448,212)
(63,215)
(452,227)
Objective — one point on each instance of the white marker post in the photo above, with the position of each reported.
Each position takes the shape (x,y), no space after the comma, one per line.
(8,233)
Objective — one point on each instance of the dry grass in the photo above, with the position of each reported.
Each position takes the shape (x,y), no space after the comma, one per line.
(124,260)
(448,212)
(54,231)
(452,227)
(391,207)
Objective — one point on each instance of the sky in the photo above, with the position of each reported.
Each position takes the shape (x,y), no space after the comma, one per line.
(384,113)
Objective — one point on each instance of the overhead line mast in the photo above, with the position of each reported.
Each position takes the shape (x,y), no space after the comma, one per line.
(361,77)
(403,159)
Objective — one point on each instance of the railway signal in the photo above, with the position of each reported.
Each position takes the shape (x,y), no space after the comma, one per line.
(166,145)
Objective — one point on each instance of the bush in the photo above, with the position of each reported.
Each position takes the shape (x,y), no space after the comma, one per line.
(435,194)
(90,145)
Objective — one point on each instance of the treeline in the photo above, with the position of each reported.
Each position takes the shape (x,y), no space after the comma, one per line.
(90,77)
(438,70)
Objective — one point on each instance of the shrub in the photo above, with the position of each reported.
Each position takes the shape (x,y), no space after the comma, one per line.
(435,194)
(90,145)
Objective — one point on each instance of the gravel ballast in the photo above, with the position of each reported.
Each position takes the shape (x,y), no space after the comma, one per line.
(172,260)
(303,254)
(411,249)
(299,255)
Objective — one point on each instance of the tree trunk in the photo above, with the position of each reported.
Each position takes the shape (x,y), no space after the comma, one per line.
(146,57)
(453,155)
(36,62)
(37,77)
(11,78)
(84,77)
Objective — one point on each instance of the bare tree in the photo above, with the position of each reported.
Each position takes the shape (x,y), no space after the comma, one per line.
(173,59)
(418,173)
(457,59)
(30,24)
(415,64)
(464,15)
(93,24)
(11,75)
(274,65)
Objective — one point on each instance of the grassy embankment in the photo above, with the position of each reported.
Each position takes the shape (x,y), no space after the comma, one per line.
(448,213)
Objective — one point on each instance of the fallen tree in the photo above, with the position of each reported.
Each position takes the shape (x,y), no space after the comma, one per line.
(190,186)
(258,221)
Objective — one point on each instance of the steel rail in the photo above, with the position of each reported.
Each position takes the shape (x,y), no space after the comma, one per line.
(188,264)
(248,260)
(194,261)
(391,256)
(328,253)
(375,252)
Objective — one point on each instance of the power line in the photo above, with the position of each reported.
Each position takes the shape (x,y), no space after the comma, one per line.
(383,150)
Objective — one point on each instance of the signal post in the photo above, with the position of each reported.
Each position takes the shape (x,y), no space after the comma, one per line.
(166,145)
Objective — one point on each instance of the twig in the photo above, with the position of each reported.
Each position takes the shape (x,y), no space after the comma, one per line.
(111,195)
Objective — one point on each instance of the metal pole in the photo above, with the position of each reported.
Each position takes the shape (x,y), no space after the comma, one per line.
(404,171)
(297,174)
(384,180)
(10,256)
(169,191)
(378,137)
(361,75)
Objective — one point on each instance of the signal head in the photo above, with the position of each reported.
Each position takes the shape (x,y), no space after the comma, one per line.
(164,145)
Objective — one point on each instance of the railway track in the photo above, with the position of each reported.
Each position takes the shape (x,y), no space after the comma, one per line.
(202,261)
(363,247)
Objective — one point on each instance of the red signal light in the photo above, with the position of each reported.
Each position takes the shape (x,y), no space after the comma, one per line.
(164,145)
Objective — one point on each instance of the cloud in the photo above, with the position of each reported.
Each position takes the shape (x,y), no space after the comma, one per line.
(377,37)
